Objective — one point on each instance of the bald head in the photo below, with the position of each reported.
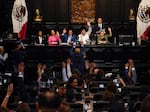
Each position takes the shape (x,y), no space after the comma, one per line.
(49,100)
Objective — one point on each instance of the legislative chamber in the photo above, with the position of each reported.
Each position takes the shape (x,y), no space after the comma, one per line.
(75,55)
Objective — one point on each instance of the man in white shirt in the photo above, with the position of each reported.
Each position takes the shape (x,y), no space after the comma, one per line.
(84,35)
(100,25)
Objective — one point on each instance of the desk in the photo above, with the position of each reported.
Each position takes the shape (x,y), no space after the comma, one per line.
(104,55)
(100,54)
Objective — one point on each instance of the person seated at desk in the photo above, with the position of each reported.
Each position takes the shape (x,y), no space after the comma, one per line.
(53,39)
(84,35)
(130,72)
(102,38)
(63,34)
(40,39)
(93,72)
(69,38)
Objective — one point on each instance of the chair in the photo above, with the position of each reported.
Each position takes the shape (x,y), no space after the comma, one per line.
(32,107)
(97,97)
(94,89)
(136,107)
(76,107)
(101,106)
(78,96)
(116,106)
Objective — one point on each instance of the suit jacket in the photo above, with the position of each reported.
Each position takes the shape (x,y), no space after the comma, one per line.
(65,38)
(78,61)
(36,40)
(97,28)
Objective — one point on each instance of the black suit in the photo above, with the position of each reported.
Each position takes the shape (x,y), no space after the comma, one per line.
(37,40)
(97,28)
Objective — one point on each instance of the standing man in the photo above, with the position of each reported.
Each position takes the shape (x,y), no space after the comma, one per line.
(99,26)
(77,58)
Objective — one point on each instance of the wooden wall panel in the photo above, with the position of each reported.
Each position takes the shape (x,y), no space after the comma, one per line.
(49,10)
(116,11)
(102,7)
(63,10)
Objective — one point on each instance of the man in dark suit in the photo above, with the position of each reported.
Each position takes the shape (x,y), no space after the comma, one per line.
(40,39)
(77,58)
(98,26)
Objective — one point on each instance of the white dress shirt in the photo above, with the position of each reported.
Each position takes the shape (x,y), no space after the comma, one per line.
(85,38)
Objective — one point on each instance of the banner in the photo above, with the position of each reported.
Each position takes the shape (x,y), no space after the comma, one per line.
(20,18)
(143,19)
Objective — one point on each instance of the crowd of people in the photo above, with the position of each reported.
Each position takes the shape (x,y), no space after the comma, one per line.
(77,73)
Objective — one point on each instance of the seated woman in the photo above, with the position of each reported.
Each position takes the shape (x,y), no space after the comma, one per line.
(103,38)
(53,39)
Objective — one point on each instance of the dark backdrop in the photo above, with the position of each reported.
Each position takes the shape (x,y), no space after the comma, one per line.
(110,10)
(58,12)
